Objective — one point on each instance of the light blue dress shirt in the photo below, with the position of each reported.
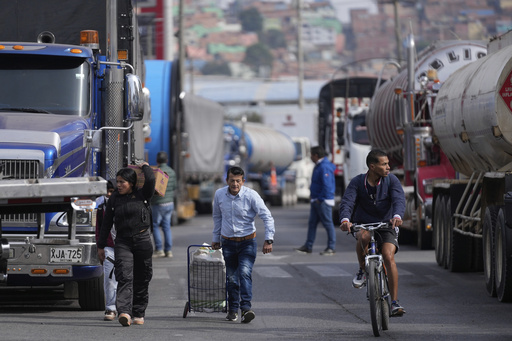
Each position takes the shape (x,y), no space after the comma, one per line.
(233,216)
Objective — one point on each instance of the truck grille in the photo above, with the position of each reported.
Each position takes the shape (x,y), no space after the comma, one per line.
(20,170)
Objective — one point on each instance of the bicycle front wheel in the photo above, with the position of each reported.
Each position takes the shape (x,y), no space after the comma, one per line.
(375,298)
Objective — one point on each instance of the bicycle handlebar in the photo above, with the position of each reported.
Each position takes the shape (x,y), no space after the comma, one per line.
(370,226)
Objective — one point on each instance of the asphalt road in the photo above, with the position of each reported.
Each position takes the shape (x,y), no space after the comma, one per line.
(296,297)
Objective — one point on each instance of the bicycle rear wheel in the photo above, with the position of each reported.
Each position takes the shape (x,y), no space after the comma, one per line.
(386,304)
(374,296)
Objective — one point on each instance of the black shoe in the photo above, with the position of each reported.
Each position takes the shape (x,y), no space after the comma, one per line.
(303,249)
(328,252)
(248,316)
(232,316)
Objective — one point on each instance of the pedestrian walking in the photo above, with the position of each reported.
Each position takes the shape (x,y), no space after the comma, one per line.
(130,208)
(109,281)
(235,208)
(162,208)
(322,202)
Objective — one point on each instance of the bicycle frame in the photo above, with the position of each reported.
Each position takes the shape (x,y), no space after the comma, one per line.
(377,288)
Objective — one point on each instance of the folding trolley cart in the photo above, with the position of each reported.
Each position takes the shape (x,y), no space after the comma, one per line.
(206,280)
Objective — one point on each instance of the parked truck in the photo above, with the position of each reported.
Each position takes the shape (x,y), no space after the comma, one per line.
(265,154)
(71,115)
(198,158)
(400,123)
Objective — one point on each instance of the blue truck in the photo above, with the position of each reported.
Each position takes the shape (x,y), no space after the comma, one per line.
(71,115)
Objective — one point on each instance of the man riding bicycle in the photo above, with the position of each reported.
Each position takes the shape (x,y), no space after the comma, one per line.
(374,197)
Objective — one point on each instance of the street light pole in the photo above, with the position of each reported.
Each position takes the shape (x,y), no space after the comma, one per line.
(300,54)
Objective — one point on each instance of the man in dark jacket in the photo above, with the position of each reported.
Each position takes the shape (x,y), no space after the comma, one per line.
(322,201)
(376,196)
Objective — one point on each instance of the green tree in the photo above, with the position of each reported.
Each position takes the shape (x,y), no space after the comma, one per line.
(273,38)
(258,55)
(251,20)
(216,68)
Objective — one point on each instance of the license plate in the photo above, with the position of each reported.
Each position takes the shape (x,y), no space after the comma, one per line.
(66,255)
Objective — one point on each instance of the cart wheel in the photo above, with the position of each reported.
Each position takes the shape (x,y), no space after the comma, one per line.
(185,311)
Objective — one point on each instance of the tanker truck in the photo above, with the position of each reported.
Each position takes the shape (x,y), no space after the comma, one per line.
(71,115)
(265,155)
(472,124)
(400,123)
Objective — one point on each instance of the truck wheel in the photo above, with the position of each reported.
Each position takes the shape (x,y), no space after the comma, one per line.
(439,230)
(503,248)
(488,232)
(447,233)
(91,294)
(461,250)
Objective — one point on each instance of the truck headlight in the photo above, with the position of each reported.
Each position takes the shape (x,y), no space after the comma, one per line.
(428,186)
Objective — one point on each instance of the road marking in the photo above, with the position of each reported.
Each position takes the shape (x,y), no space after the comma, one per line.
(329,270)
(272,271)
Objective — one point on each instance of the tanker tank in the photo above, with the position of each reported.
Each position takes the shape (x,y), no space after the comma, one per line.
(472,119)
(383,120)
(265,147)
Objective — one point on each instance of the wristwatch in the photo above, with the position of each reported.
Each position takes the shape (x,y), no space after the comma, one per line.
(269,241)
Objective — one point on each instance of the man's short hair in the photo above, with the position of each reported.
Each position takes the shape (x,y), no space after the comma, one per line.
(373,156)
(161,157)
(235,170)
(319,151)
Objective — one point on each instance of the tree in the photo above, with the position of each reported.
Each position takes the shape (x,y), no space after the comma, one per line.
(273,38)
(258,55)
(216,68)
(251,20)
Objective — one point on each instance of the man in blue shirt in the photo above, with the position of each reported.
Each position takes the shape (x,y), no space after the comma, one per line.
(234,210)
(322,190)
(376,196)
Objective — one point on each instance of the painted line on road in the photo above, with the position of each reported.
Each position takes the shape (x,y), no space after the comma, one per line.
(272,271)
(329,270)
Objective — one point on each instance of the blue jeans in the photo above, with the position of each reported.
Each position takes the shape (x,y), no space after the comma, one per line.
(162,218)
(239,258)
(110,284)
(321,212)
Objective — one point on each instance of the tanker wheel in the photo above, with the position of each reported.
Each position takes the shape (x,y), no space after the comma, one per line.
(488,231)
(447,233)
(503,245)
(439,230)
(461,250)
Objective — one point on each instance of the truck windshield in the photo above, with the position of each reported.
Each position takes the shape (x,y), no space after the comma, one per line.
(359,130)
(44,84)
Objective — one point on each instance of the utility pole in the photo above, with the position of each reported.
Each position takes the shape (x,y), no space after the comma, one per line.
(300,54)
(168,31)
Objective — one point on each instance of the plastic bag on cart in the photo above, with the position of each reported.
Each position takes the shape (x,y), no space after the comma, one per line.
(207,280)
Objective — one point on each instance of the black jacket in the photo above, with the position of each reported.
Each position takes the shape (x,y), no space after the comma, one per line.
(131,212)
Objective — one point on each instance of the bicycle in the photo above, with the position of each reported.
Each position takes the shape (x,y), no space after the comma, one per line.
(377,288)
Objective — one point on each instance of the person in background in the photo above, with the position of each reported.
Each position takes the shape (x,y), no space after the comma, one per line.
(162,208)
(376,196)
(130,208)
(110,283)
(234,210)
(322,201)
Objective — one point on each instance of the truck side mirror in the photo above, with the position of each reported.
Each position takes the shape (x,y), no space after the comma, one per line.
(134,98)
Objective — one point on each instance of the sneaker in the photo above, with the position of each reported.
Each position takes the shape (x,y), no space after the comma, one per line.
(109,315)
(328,252)
(303,249)
(158,254)
(138,320)
(232,316)
(168,254)
(125,320)
(248,316)
(397,309)
(360,279)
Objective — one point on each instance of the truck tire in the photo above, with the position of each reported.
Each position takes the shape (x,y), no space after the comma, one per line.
(439,230)
(447,232)
(488,231)
(503,248)
(91,294)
